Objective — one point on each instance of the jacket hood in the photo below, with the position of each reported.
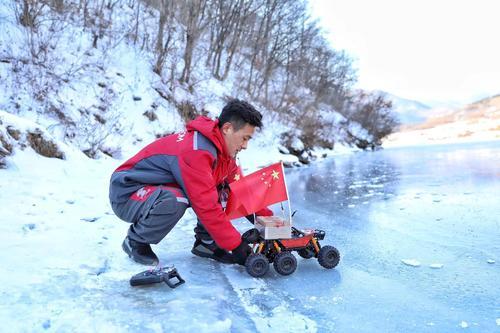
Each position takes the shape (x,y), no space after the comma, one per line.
(210,129)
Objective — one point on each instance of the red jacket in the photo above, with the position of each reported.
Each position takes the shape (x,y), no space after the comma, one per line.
(197,162)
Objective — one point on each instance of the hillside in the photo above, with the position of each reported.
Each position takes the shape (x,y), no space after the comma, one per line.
(107,78)
(408,111)
(479,121)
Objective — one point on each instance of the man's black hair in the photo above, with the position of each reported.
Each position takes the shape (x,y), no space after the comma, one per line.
(239,113)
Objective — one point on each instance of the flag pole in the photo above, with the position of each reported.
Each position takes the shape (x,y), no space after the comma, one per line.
(286,189)
(282,210)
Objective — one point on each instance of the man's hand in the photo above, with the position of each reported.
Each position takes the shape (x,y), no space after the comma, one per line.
(251,236)
(241,253)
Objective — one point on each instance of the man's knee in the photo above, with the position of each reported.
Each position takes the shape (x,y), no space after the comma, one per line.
(122,211)
(153,217)
(167,205)
(162,216)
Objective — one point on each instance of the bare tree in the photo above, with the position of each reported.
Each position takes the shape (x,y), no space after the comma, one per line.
(136,23)
(30,13)
(166,23)
(259,41)
(193,17)
(282,59)
(227,24)
(374,113)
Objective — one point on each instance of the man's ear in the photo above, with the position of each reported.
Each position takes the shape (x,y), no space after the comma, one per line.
(226,128)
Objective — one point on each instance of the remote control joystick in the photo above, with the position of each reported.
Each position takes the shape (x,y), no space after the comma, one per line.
(168,274)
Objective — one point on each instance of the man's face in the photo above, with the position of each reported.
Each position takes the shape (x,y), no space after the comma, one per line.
(236,140)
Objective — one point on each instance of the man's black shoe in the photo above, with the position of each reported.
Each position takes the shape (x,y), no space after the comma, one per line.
(139,252)
(208,249)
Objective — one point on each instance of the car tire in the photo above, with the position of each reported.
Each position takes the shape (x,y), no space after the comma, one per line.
(285,263)
(257,265)
(328,256)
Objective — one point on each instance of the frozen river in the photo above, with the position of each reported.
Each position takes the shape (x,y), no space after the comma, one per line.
(419,234)
(417,228)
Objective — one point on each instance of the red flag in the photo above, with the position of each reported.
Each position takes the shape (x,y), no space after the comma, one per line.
(256,191)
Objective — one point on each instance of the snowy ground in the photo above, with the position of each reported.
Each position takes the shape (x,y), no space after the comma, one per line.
(64,269)
(457,132)
(417,229)
(477,122)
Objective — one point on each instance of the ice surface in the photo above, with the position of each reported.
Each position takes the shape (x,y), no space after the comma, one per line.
(411,262)
(64,271)
(436,205)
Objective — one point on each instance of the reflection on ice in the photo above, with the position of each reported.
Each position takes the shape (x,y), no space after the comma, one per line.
(438,206)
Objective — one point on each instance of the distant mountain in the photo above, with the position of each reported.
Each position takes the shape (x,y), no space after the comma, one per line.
(408,111)
(479,121)
(486,109)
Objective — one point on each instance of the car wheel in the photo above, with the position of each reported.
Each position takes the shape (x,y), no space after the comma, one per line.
(257,265)
(285,263)
(328,256)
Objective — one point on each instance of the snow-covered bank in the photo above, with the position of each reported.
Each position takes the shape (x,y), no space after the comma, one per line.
(457,133)
(99,92)
(477,122)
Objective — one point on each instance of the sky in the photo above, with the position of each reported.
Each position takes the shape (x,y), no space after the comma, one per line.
(430,51)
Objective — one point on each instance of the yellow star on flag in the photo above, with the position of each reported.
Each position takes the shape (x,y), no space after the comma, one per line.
(237,177)
(275,174)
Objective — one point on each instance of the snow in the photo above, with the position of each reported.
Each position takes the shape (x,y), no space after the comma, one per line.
(23,125)
(297,144)
(117,76)
(65,243)
(477,122)
(64,269)
(458,132)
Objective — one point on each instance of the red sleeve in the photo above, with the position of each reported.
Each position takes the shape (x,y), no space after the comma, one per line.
(200,187)
(235,173)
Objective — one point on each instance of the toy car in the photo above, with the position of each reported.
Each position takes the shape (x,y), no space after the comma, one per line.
(279,251)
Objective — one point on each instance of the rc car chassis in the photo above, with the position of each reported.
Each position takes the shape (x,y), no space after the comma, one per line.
(279,251)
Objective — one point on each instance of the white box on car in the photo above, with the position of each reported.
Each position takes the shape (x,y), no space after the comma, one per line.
(273,227)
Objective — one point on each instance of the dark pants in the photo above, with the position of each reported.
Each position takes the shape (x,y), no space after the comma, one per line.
(153,212)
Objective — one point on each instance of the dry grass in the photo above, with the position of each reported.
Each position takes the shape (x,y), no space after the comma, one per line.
(433,122)
(5,146)
(465,134)
(43,146)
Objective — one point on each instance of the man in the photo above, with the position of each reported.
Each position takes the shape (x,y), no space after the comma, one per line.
(153,189)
